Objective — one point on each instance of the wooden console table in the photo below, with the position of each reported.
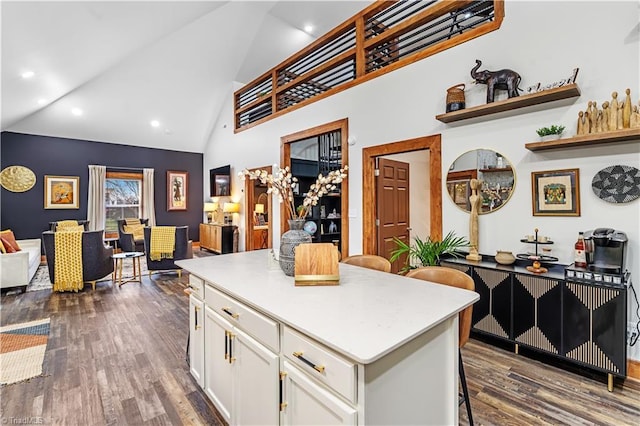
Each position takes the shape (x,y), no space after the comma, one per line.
(218,238)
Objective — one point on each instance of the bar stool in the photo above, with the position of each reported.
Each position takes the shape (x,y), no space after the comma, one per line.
(454,278)
(370,261)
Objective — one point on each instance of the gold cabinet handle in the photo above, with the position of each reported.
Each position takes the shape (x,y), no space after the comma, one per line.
(196,326)
(231,357)
(230,313)
(282,405)
(226,344)
(318,368)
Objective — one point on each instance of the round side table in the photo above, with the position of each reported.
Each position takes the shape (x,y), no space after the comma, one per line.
(117,269)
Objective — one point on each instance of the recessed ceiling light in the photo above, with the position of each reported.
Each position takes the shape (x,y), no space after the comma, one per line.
(308,28)
(155,123)
(28,74)
(76,111)
(42,101)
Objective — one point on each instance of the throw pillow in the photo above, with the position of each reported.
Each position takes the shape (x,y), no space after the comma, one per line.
(77,228)
(10,239)
(137,230)
(63,224)
(8,247)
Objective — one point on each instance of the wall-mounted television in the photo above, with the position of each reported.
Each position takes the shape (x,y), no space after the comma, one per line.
(220,181)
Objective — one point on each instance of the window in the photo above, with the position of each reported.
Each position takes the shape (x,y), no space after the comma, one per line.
(123,198)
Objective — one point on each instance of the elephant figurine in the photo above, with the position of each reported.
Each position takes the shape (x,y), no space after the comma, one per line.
(502,79)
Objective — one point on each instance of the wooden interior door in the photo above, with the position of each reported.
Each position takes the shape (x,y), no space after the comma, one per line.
(392,188)
(257,235)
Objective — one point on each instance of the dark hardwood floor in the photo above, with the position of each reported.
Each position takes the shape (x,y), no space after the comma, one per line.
(117,356)
(114,356)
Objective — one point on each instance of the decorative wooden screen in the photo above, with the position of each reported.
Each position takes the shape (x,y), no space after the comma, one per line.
(385,36)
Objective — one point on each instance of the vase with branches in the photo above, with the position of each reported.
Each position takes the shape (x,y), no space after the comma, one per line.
(282,183)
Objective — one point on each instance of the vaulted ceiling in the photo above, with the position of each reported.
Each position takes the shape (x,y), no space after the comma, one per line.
(125,64)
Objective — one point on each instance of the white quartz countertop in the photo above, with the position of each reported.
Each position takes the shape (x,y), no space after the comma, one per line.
(367,316)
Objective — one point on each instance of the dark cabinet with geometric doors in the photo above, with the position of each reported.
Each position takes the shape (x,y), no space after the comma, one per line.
(492,313)
(579,322)
(594,326)
(537,312)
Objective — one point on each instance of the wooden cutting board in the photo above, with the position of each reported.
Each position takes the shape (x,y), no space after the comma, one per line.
(316,264)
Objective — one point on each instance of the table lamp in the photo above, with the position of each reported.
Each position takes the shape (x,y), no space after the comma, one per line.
(259,214)
(229,209)
(209,208)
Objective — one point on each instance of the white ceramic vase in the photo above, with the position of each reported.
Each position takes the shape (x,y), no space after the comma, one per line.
(549,138)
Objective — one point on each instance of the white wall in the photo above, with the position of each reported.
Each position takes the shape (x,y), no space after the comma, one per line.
(544,42)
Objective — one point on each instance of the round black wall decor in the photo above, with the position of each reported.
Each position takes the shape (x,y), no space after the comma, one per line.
(617,184)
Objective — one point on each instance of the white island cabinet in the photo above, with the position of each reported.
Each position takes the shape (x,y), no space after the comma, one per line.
(377,349)
(196,330)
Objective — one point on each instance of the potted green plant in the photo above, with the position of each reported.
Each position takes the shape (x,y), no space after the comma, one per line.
(550,133)
(428,252)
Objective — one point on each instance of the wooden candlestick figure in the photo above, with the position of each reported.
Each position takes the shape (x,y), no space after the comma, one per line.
(605,116)
(626,110)
(476,202)
(593,118)
(635,118)
(581,123)
(613,111)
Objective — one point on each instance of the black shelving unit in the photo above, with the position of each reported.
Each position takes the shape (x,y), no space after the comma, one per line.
(329,207)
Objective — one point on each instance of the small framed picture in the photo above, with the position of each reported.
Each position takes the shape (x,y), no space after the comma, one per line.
(61,192)
(556,192)
(177,190)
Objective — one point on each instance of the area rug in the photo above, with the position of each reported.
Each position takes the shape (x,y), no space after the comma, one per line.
(40,280)
(22,348)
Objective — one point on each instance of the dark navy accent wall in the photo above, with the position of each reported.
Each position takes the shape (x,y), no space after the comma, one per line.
(24,212)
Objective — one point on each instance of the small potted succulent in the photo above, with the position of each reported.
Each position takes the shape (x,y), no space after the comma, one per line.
(550,133)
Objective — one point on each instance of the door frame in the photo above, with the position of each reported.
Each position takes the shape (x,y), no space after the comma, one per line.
(248,217)
(285,160)
(369,154)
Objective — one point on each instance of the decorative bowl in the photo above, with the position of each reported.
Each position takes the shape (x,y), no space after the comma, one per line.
(505,257)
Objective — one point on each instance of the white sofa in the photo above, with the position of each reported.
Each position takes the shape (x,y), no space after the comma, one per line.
(17,269)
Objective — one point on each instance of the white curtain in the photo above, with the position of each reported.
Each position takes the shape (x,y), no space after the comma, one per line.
(95,205)
(148,197)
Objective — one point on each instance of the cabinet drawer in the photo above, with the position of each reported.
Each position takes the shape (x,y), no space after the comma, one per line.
(197,285)
(259,326)
(330,368)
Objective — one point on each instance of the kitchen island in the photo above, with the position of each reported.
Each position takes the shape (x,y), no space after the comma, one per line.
(377,349)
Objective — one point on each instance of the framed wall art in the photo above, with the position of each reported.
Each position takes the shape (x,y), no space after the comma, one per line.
(61,192)
(177,190)
(556,192)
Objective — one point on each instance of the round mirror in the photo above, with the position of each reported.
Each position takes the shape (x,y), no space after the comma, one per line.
(492,169)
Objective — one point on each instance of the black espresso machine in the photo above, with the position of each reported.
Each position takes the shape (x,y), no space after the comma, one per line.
(606,254)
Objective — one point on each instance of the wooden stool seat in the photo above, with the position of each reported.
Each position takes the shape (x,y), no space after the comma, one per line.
(370,261)
(454,278)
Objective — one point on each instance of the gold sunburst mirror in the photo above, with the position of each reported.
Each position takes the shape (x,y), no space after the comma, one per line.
(17,178)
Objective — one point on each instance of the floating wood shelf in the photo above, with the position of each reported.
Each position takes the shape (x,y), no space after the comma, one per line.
(587,140)
(564,92)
